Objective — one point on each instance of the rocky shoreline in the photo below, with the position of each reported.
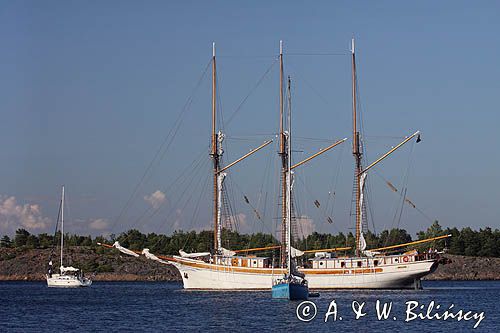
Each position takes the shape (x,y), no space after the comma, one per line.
(110,265)
(103,264)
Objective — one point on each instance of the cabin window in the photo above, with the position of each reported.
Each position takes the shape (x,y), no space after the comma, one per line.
(321,263)
(360,264)
(375,262)
(255,262)
(342,264)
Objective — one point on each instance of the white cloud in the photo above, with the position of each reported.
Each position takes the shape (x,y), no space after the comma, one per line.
(99,224)
(14,216)
(242,223)
(155,199)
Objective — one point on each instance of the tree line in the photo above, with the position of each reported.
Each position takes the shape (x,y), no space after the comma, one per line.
(469,242)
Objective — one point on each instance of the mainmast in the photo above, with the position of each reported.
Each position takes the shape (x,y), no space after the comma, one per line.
(284,158)
(215,154)
(356,152)
(62,225)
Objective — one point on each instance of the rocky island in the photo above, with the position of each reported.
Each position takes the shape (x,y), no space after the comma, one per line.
(111,265)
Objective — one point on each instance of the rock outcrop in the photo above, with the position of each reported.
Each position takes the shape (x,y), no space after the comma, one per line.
(111,265)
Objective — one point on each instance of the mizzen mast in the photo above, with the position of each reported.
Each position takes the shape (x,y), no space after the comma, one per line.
(356,151)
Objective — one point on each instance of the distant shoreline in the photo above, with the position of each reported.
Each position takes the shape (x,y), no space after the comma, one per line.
(112,266)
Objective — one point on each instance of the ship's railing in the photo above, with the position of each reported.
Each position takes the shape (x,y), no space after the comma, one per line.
(426,256)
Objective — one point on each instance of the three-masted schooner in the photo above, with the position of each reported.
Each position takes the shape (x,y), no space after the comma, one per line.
(225,270)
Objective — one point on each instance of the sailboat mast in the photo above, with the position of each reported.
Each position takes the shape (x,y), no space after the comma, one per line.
(289,184)
(356,151)
(214,152)
(283,155)
(62,224)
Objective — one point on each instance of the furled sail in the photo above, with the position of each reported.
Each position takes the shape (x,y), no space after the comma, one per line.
(226,252)
(370,254)
(151,256)
(295,252)
(193,255)
(124,250)
(68,269)
(362,241)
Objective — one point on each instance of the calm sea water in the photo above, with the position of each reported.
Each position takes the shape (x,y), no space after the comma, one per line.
(137,306)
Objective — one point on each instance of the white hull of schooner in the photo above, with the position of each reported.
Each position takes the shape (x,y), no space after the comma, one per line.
(197,274)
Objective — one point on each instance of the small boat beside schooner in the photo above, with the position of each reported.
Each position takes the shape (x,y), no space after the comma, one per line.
(68,277)
(292,285)
(223,269)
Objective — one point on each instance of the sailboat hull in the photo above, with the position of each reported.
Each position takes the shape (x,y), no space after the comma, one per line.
(291,291)
(67,281)
(197,274)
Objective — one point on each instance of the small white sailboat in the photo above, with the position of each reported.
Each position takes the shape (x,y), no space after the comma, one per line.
(68,277)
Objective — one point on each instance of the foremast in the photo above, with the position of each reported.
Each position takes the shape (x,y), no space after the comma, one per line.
(216,154)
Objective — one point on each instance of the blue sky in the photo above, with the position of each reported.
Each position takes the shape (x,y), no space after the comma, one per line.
(90,89)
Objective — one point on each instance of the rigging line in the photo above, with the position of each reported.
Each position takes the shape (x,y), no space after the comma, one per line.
(241,139)
(316,54)
(308,191)
(297,215)
(315,139)
(192,168)
(251,91)
(244,195)
(277,193)
(402,207)
(174,220)
(265,180)
(233,218)
(333,186)
(189,168)
(247,56)
(181,197)
(302,77)
(149,208)
(418,209)
(220,118)
(202,192)
(399,205)
(254,135)
(191,179)
(55,231)
(173,130)
(405,181)
(385,137)
(197,208)
(364,151)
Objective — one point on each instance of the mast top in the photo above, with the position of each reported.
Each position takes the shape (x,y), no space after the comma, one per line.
(213,49)
(281,47)
(352,45)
